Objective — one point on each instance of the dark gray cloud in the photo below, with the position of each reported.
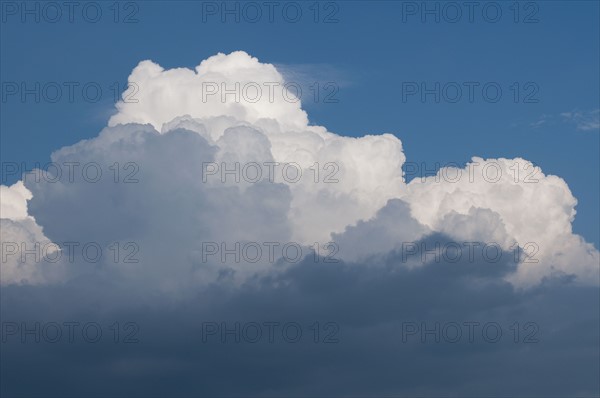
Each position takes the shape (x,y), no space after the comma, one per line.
(370,305)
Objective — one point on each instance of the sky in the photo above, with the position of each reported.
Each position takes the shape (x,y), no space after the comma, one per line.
(390,92)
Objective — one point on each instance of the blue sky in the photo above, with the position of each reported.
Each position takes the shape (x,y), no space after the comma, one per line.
(368,53)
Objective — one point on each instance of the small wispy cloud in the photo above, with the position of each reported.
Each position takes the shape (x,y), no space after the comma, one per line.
(542,121)
(584,120)
(307,74)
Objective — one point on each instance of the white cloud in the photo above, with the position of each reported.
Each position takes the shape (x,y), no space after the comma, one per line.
(175,129)
(14,201)
(165,94)
(586,121)
(19,235)
(525,207)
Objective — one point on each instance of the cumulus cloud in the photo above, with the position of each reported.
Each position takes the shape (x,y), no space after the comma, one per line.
(218,162)
(523,207)
(14,201)
(23,241)
(236,85)
(183,175)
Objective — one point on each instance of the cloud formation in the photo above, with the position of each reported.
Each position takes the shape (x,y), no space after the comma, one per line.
(586,121)
(149,234)
(218,162)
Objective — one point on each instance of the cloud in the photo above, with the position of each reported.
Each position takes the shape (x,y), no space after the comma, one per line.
(14,201)
(582,120)
(166,94)
(509,202)
(544,120)
(369,307)
(223,167)
(22,239)
(182,171)
(586,121)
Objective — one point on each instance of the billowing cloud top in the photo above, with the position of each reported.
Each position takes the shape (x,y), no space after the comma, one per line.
(189,132)
(211,90)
